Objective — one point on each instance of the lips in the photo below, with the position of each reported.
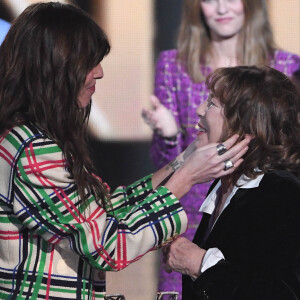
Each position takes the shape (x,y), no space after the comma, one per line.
(223,20)
(92,88)
(200,128)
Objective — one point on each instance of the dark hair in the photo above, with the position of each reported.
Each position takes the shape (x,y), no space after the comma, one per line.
(264,103)
(44,61)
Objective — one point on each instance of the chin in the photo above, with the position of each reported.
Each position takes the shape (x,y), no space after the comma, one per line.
(202,139)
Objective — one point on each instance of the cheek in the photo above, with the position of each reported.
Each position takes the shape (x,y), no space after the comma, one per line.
(207,11)
(239,9)
(88,79)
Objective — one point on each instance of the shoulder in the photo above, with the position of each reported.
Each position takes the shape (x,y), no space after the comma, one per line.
(272,178)
(286,62)
(171,54)
(280,54)
(19,136)
(276,197)
(168,64)
(167,56)
(27,139)
(40,161)
(281,185)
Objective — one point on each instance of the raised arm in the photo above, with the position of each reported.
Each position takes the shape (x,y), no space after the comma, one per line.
(166,148)
(198,164)
(46,203)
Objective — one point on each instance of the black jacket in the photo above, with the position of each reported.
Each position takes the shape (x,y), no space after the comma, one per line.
(259,236)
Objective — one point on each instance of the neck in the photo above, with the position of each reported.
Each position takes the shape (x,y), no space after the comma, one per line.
(224,52)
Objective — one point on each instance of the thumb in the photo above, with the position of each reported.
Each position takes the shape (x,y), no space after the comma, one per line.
(155,102)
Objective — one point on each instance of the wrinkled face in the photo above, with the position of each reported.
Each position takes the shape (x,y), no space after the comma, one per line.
(89,86)
(211,121)
(224,18)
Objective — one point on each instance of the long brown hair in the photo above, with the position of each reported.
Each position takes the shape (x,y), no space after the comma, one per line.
(44,61)
(264,103)
(194,43)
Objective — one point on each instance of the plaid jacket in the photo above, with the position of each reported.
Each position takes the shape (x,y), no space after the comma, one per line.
(52,246)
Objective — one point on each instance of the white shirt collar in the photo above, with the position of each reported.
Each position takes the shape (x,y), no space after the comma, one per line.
(243,182)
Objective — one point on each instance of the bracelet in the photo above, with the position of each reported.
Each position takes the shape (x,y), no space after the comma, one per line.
(175,165)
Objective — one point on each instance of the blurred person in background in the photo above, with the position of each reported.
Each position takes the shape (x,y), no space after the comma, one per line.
(4,27)
(213,34)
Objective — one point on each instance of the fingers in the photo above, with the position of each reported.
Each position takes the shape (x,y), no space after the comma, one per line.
(155,102)
(235,155)
(237,151)
(231,141)
(149,118)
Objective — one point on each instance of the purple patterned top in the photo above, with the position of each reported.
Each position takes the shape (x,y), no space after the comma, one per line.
(176,90)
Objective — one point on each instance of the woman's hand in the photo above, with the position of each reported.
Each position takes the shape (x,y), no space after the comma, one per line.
(208,164)
(204,164)
(184,257)
(160,119)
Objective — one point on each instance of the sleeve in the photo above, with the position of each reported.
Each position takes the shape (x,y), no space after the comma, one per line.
(286,62)
(269,267)
(165,150)
(211,257)
(46,202)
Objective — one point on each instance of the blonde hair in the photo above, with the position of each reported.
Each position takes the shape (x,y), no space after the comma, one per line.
(194,43)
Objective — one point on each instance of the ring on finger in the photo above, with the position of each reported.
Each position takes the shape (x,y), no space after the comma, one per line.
(228,164)
(221,148)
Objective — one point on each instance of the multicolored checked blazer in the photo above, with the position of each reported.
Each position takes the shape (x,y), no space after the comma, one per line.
(53,247)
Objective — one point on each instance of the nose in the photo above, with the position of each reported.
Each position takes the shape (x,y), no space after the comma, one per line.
(98,72)
(222,7)
(201,109)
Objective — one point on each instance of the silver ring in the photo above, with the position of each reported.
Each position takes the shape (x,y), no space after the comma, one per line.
(228,164)
(221,149)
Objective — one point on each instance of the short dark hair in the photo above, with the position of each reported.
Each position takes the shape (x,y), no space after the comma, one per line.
(264,103)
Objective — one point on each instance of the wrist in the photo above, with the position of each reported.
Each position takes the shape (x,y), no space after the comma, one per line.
(176,163)
(196,272)
(179,184)
(172,141)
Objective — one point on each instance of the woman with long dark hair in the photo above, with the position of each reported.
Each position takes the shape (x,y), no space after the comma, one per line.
(59,226)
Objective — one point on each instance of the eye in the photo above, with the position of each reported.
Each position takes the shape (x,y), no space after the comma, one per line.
(210,105)
(210,102)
